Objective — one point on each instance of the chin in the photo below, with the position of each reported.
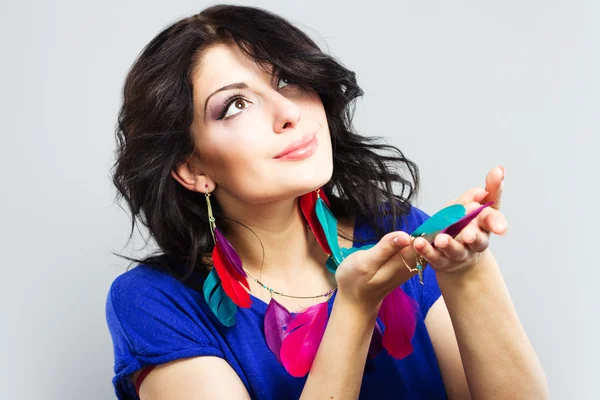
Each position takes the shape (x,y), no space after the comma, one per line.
(309,180)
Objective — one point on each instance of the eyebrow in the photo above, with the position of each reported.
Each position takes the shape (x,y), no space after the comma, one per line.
(238,85)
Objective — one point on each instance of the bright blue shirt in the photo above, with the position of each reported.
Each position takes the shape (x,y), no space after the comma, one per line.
(153,318)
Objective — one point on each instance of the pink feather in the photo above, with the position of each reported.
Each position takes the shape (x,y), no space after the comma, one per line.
(277,318)
(300,346)
(398,314)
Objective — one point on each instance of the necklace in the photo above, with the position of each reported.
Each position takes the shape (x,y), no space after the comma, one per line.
(271,290)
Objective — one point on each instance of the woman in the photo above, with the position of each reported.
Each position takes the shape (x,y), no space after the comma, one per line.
(237,115)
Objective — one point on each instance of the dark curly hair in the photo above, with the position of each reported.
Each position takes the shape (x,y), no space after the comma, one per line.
(154,137)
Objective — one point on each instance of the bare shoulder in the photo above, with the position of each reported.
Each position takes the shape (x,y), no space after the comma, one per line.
(204,377)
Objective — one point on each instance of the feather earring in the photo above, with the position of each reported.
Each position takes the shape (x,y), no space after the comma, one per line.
(225,287)
(308,206)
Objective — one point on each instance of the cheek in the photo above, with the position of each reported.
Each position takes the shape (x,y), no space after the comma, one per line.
(234,153)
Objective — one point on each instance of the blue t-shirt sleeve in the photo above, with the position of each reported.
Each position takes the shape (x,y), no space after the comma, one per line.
(429,292)
(153,320)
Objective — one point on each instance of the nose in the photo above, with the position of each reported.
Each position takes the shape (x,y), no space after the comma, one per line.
(287,114)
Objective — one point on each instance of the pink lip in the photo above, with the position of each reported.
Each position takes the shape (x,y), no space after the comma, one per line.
(305,148)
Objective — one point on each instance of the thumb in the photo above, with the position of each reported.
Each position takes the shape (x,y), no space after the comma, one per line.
(388,246)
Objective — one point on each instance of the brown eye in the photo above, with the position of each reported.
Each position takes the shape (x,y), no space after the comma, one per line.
(234,107)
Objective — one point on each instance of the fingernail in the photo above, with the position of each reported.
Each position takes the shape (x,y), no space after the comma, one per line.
(481,195)
(420,244)
(503,173)
(399,239)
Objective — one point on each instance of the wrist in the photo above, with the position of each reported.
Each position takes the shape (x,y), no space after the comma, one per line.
(484,264)
(365,311)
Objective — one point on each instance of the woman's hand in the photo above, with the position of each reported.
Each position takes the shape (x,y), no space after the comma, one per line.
(452,255)
(365,277)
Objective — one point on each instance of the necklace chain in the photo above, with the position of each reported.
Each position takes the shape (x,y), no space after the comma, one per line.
(271,290)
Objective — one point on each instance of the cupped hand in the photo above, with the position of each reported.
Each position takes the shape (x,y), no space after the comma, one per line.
(365,277)
(464,251)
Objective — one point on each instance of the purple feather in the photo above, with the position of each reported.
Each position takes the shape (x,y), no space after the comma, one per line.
(229,252)
(277,317)
(459,225)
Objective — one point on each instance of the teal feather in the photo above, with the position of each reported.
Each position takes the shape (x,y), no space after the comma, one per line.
(329,224)
(441,220)
(331,265)
(218,301)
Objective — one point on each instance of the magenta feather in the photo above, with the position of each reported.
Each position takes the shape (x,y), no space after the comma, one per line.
(232,258)
(398,314)
(277,318)
(300,345)
(459,225)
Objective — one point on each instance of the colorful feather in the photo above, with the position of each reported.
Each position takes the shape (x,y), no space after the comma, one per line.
(277,318)
(221,305)
(458,226)
(308,203)
(329,225)
(440,220)
(234,263)
(300,345)
(398,314)
(331,265)
(227,273)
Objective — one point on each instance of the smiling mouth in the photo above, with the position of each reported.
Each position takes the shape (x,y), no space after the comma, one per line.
(301,153)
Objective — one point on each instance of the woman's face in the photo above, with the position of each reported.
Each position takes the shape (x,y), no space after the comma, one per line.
(241,132)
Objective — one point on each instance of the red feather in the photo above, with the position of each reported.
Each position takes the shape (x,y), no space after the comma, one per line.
(233,288)
(308,202)
(398,314)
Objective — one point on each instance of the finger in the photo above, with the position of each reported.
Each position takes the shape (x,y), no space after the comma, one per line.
(433,256)
(480,243)
(493,221)
(471,195)
(398,269)
(494,184)
(469,233)
(451,248)
(386,248)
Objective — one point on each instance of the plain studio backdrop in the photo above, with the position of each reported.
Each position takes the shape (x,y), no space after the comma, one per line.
(459,86)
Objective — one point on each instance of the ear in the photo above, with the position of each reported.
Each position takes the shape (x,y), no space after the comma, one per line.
(191,179)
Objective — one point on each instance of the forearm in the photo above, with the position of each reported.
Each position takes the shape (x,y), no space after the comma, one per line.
(339,365)
(497,356)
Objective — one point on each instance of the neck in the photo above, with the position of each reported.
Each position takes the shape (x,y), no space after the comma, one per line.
(280,229)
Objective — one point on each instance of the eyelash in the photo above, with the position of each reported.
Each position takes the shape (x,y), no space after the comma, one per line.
(229,101)
(239,96)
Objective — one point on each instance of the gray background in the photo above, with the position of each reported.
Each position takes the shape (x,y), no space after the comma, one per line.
(459,86)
